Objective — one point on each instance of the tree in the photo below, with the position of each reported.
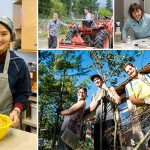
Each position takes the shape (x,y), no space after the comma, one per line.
(58,77)
(65,7)
(109,5)
(109,64)
(104,12)
(79,5)
(47,7)
(44,6)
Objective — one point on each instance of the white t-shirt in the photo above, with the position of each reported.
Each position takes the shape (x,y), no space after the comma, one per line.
(88,17)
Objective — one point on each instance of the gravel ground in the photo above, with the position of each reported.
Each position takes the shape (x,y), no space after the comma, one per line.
(43,43)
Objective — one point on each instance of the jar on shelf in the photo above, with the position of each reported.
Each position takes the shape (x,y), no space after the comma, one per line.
(33,74)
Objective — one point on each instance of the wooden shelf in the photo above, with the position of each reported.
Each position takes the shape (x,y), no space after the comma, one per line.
(22,9)
(34,91)
(27,50)
(33,98)
(28,121)
(18,28)
(19,2)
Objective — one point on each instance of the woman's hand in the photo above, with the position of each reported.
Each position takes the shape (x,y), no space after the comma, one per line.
(73,108)
(14,117)
(63,112)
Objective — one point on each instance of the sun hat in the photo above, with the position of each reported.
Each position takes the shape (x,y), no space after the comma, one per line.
(9,25)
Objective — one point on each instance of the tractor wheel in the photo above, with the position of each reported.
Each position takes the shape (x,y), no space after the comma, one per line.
(102,40)
(70,35)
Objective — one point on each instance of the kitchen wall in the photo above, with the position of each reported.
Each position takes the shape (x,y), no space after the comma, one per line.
(119,13)
(27,56)
(6,8)
(147,6)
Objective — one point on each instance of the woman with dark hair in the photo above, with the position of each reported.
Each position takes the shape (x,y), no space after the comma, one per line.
(88,17)
(75,113)
(138,21)
(15,84)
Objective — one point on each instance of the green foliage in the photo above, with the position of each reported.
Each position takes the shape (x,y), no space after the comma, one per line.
(60,75)
(58,78)
(65,7)
(104,12)
(44,8)
(59,7)
(109,5)
(48,7)
(110,64)
(79,5)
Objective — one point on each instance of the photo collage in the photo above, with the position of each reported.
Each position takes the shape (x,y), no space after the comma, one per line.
(75,74)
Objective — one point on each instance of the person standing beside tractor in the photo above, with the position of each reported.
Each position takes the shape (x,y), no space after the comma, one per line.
(53,29)
(103,101)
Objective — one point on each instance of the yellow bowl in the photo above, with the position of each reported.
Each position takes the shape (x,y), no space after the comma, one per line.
(5,123)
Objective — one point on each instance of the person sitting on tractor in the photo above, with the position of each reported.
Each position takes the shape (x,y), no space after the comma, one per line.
(88,17)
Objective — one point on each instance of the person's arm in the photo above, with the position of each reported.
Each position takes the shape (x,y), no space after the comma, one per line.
(130,95)
(73,108)
(112,94)
(136,101)
(61,23)
(14,117)
(48,36)
(115,96)
(96,102)
(23,91)
(125,30)
(66,25)
(48,30)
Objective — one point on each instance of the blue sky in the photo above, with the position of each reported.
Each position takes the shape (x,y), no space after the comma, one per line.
(102,2)
(139,62)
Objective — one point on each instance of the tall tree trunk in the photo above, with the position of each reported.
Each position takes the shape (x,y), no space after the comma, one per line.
(55,133)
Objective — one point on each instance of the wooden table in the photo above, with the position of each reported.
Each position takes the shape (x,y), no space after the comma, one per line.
(19,140)
(136,44)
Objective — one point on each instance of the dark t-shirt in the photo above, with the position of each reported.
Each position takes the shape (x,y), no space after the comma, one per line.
(108,106)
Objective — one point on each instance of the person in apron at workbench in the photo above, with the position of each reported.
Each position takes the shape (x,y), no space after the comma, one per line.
(15,84)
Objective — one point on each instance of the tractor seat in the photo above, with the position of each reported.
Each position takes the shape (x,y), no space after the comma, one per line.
(67,42)
(83,29)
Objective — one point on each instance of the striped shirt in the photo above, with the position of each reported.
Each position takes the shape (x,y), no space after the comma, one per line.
(54,26)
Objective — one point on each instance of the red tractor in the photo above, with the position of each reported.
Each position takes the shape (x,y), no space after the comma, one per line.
(92,34)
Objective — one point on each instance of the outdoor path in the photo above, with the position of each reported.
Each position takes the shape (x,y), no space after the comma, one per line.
(43,44)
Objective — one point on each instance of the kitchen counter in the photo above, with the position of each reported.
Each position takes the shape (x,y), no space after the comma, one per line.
(19,140)
(136,44)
